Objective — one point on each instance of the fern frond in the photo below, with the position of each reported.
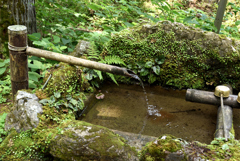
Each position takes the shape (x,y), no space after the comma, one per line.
(113,59)
(99,73)
(112,77)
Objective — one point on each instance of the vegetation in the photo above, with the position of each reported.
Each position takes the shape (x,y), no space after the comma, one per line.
(62,23)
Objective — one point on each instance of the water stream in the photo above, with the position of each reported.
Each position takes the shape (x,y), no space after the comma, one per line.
(151,109)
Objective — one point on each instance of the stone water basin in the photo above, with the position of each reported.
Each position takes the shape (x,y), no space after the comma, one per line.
(124,108)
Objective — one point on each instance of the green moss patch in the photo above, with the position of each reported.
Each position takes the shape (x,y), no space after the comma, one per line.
(193,58)
(159,149)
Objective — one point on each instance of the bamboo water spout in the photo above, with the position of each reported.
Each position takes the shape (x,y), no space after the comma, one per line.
(80,62)
(19,50)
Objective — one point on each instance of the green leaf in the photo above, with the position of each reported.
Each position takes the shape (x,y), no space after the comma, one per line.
(99,73)
(63,47)
(68,97)
(56,39)
(237,23)
(33,76)
(2,64)
(2,70)
(225,147)
(3,117)
(100,14)
(6,61)
(70,89)
(178,4)
(34,36)
(35,66)
(144,72)
(152,78)
(148,64)
(215,142)
(188,19)
(89,76)
(128,24)
(70,105)
(166,8)
(57,94)
(160,60)
(94,7)
(156,69)
(32,84)
(66,41)
(44,101)
(74,102)
(112,77)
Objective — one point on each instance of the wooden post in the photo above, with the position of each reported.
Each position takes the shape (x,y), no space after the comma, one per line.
(17,36)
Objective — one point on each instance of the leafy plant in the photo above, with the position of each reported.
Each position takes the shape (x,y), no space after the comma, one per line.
(58,102)
(3,133)
(151,69)
(54,45)
(3,65)
(5,82)
(36,66)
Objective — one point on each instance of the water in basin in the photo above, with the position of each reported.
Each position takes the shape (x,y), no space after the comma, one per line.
(124,108)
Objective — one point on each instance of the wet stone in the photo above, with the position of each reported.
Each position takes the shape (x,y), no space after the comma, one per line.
(25,111)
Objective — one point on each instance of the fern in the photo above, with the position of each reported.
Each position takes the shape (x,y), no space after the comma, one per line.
(112,77)
(113,60)
(93,54)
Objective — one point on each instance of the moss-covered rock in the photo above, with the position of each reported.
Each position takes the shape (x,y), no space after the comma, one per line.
(193,58)
(83,141)
(164,147)
(66,79)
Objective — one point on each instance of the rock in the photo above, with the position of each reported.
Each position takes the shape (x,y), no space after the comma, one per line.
(193,57)
(135,140)
(66,78)
(83,141)
(25,112)
(81,48)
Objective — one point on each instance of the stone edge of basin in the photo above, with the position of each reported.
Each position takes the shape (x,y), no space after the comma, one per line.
(135,140)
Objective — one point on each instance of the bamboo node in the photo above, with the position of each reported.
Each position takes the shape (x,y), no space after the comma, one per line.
(19,49)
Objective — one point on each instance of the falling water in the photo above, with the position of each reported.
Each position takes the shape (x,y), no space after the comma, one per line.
(151,109)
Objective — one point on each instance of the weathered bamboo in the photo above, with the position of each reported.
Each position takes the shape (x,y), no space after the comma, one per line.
(200,96)
(17,35)
(78,61)
(228,122)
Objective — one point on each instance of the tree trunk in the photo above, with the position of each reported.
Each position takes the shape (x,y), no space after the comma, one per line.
(15,12)
(23,12)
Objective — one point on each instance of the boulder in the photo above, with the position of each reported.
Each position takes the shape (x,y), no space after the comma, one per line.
(81,48)
(24,115)
(83,141)
(194,58)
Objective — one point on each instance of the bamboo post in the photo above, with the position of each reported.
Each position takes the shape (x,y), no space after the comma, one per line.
(224,121)
(17,36)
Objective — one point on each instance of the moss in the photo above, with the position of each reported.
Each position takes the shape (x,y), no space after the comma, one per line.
(100,140)
(21,146)
(191,60)
(66,79)
(157,150)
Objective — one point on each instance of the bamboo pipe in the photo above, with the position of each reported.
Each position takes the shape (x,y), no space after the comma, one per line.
(200,96)
(80,62)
